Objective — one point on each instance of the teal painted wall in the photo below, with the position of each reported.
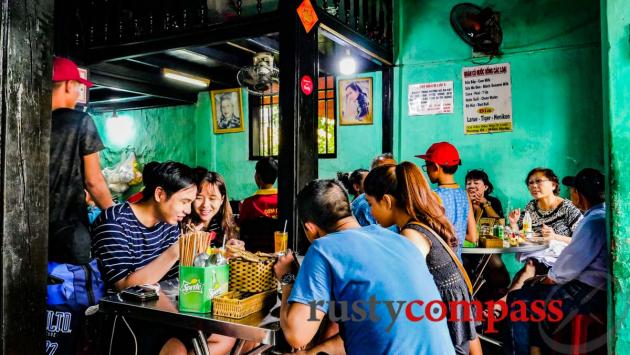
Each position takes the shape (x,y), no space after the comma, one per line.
(616,60)
(156,134)
(227,153)
(554,53)
(357,145)
(184,133)
(555,59)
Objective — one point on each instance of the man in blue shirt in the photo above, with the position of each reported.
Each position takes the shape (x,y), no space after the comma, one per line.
(373,282)
(579,276)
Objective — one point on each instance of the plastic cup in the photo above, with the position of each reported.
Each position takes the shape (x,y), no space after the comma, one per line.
(281,241)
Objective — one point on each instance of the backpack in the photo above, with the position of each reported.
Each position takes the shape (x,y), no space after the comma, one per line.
(71,290)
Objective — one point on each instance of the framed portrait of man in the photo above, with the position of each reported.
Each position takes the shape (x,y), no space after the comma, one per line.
(227,111)
(355,101)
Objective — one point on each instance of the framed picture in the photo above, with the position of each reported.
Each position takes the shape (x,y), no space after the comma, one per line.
(355,101)
(83,90)
(227,111)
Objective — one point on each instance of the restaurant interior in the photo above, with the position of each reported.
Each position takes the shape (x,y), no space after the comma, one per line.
(161,68)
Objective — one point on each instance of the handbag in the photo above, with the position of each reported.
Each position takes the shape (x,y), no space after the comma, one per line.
(450,252)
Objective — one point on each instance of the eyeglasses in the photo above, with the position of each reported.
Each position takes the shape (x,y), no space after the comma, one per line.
(536,182)
(426,167)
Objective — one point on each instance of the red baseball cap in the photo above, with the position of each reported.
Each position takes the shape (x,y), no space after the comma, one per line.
(442,153)
(65,69)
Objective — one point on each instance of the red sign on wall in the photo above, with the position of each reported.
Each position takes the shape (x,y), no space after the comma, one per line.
(307,15)
(306,84)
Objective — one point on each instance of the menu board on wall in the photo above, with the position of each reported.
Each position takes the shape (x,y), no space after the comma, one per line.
(430,98)
(487,99)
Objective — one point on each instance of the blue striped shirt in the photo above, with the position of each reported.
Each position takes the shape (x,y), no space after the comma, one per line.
(456,207)
(123,245)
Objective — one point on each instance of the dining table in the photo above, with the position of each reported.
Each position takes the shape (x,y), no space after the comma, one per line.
(262,327)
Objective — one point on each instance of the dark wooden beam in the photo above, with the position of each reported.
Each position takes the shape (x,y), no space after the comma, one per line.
(118,83)
(298,117)
(106,94)
(265,43)
(224,75)
(225,58)
(213,34)
(26,30)
(117,99)
(147,102)
(388,110)
(343,34)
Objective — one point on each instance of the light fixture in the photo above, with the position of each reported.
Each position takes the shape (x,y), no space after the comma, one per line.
(119,130)
(189,55)
(347,64)
(185,78)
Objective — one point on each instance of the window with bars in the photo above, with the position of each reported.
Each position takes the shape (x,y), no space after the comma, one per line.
(264,128)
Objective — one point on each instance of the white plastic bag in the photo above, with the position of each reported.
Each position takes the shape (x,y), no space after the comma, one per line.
(119,176)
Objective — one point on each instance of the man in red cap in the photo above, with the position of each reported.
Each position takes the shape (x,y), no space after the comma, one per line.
(74,164)
(441,163)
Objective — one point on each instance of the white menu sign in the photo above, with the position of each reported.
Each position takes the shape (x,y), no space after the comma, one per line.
(430,98)
(487,99)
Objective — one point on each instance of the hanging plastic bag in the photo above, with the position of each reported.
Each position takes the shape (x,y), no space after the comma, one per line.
(122,175)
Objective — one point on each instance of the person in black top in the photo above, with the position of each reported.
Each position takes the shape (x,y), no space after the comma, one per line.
(497,277)
(479,188)
(74,165)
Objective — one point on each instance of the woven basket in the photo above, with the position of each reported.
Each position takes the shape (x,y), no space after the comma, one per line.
(491,242)
(250,276)
(228,304)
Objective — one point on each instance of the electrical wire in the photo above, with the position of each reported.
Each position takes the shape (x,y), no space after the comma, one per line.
(135,341)
(111,341)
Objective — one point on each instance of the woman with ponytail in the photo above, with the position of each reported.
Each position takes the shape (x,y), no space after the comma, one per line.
(400,195)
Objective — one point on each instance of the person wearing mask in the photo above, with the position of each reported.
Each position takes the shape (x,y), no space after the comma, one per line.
(579,277)
(441,164)
(74,165)
(350,264)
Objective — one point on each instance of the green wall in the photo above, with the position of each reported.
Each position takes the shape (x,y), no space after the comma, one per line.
(554,53)
(227,153)
(555,61)
(184,133)
(616,60)
(157,134)
(357,145)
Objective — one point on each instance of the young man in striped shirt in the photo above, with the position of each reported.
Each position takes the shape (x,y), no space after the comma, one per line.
(136,243)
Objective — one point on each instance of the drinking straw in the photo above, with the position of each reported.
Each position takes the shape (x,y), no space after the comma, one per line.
(285,226)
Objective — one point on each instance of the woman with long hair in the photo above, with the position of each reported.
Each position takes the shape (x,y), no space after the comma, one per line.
(400,195)
(211,210)
(357,103)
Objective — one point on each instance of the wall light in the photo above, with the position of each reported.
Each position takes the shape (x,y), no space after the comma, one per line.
(120,130)
(185,78)
(347,64)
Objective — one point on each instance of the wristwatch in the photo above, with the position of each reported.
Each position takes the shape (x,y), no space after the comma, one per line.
(486,204)
(287,279)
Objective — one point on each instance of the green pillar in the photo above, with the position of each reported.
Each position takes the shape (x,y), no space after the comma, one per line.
(616,89)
